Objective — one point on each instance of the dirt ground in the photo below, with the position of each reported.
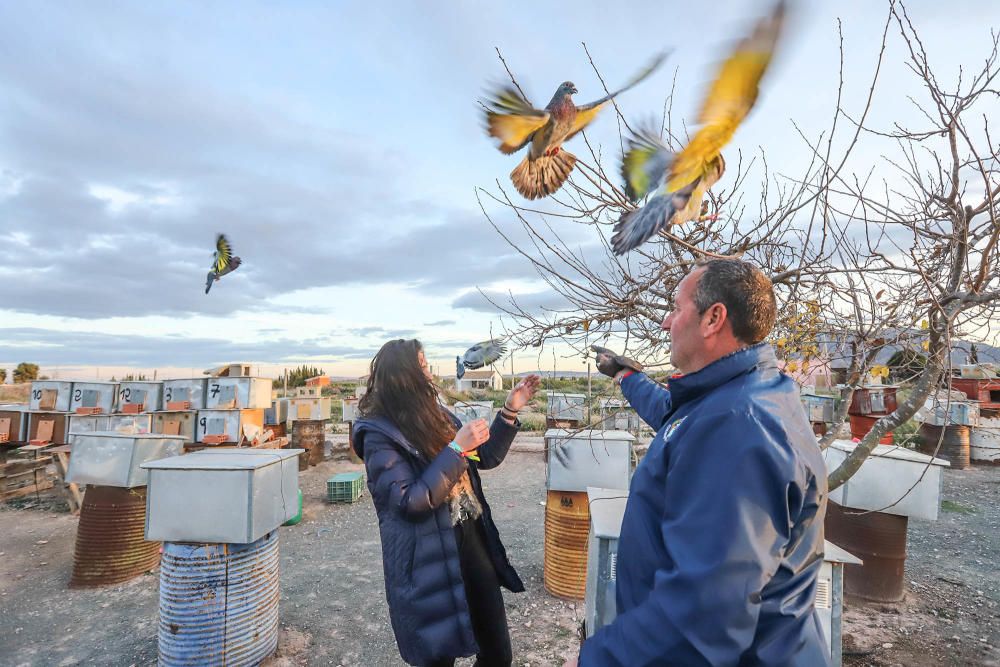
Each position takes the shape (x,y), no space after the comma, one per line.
(951,612)
(333,609)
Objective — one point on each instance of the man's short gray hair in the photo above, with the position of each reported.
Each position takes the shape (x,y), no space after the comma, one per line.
(746,293)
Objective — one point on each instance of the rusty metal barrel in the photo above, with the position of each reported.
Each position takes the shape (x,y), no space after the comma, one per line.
(219,603)
(567,530)
(110,538)
(954,445)
(309,434)
(879,540)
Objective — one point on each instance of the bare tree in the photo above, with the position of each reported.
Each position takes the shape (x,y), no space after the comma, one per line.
(900,253)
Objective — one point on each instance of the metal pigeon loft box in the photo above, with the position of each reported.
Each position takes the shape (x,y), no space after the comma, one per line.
(99,395)
(221,496)
(607,508)
(309,408)
(146,396)
(49,427)
(873,400)
(349,407)
(142,423)
(892,480)
(190,390)
(80,424)
(947,407)
(566,407)
(114,459)
(243,393)
(579,459)
(830,597)
(819,409)
(468,411)
(50,396)
(228,423)
(13,423)
(176,423)
(278,412)
(617,414)
(987,392)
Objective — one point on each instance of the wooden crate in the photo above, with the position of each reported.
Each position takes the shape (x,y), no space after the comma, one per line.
(22,477)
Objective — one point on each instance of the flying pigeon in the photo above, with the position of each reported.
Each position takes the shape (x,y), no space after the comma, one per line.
(512,120)
(479,355)
(223,261)
(685,176)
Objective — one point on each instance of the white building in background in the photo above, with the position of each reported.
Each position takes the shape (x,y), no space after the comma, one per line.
(484,379)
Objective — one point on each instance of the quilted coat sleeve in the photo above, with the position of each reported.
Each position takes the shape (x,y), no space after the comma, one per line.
(725,523)
(398,484)
(494,451)
(650,400)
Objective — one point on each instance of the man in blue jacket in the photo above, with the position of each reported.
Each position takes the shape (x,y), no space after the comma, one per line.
(722,538)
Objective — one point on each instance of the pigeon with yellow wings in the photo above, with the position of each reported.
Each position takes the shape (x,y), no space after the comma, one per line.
(685,176)
(223,261)
(512,120)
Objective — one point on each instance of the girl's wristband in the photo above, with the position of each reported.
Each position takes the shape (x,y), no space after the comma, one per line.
(465,455)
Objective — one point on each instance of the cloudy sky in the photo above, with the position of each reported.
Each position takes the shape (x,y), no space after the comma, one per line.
(339,147)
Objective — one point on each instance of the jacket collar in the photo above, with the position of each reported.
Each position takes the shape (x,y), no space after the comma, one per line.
(390,430)
(694,385)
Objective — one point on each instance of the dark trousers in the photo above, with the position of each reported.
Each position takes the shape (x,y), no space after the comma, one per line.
(482,591)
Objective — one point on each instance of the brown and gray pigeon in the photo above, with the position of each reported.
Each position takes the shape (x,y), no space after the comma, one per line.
(512,120)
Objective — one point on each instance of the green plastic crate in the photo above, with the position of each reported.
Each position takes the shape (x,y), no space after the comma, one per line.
(345,487)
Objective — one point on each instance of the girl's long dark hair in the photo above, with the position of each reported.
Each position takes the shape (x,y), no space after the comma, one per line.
(399,391)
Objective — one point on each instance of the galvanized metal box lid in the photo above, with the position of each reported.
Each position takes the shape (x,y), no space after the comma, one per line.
(236,458)
(116,459)
(588,434)
(893,480)
(834,554)
(607,509)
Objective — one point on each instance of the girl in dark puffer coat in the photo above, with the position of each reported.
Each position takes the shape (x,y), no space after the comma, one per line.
(442,557)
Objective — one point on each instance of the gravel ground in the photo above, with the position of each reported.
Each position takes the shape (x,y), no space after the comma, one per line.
(333,609)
